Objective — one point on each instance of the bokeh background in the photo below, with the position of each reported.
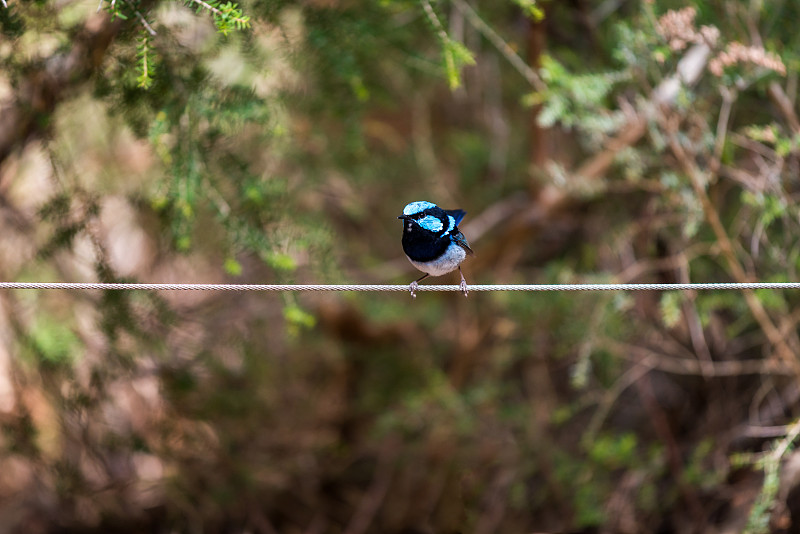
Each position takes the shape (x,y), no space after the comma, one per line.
(276,141)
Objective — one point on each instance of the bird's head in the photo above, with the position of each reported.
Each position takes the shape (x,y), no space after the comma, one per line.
(427,216)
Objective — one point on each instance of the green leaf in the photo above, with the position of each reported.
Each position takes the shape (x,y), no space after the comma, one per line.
(530,9)
(456,56)
(770,298)
(54,341)
(232,267)
(614,451)
(359,89)
(670,308)
(281,262)
(144,65)
(298,317)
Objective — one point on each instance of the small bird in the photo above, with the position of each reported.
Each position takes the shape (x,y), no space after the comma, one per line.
(432,241)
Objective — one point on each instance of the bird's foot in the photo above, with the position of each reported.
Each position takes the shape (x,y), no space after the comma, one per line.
(463,285)
(413,288)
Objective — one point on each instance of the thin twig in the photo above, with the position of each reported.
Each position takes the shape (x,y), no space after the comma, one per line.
(502,46)
(215,10)
(208,6)
(219,201)
(692,367)
(728,97)
(791,435)
(693,323)
(642,267)
(437,24)
(610,396)
(784,103)
(777,431)
(374,497)
(754,146)
(143,20)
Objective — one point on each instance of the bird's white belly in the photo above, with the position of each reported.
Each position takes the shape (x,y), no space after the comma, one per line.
(448,261)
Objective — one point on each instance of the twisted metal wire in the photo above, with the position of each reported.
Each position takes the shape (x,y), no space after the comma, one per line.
(402,287)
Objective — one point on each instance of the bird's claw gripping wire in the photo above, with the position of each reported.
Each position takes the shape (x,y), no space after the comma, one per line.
(463,284)
(413,288)
(415,284)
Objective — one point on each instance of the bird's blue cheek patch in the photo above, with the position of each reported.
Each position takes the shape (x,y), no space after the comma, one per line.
(418,206)
(429,222)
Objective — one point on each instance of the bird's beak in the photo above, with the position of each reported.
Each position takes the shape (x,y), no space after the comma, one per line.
(403,217)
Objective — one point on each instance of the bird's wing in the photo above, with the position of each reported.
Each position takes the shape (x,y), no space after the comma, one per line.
(459,239)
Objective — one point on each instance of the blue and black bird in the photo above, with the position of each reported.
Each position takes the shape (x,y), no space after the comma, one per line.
(432,241)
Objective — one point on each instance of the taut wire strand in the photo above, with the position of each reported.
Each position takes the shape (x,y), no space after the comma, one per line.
(402,287)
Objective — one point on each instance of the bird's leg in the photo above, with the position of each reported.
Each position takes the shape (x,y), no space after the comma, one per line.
(413,286)
(463,282)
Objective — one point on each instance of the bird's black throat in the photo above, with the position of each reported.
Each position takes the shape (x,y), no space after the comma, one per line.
(421,245)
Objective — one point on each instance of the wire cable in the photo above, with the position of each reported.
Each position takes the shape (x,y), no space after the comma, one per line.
(402,287)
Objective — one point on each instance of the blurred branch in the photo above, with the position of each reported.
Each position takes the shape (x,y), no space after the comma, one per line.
(646,360)
(783,446)
(774,90)
(551,198)
(693,322)
(765,505)
(48,83)
(781,99)
(537,37)
(495,501)
(630,134)
(641,267)
(687,72)
(611,395)
(603,10)
(374,496)
(728,97)
(494,215)
(686,366)
(662,427)
(774,431)
(727,249)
